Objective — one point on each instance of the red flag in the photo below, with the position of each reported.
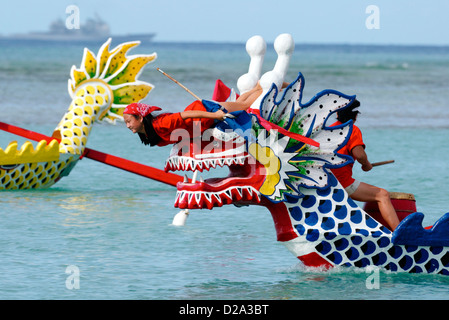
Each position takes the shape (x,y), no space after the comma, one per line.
(221,92)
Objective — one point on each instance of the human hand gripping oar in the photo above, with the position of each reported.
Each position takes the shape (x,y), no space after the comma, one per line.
(381,163)
(124,164)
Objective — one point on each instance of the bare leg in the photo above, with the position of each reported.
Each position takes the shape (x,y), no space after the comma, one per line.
(244,101)
(366,192)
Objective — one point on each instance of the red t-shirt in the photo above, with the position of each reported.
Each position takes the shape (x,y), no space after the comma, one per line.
(344,174)
(167,124)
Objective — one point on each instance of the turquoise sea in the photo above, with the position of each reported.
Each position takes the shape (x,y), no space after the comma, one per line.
(113,228)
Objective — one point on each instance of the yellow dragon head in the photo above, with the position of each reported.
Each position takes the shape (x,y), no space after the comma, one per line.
(100,89)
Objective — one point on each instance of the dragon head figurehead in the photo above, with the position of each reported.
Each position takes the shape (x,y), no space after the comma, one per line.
(267,162)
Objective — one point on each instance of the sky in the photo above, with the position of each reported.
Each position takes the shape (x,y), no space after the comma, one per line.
(401,22)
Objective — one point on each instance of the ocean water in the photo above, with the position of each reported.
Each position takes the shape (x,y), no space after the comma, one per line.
(114,228)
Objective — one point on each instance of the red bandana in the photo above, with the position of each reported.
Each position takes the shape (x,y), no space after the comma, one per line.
(140,109)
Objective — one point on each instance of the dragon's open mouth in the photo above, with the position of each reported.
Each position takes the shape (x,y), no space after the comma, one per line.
(239,187)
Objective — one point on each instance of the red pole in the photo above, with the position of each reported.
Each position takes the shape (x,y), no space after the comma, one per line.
(121,163)
(134,167)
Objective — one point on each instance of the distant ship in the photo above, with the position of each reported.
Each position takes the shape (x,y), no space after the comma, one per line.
(94,30)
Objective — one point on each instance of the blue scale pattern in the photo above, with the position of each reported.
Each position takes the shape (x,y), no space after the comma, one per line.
(408,258)
(348,241)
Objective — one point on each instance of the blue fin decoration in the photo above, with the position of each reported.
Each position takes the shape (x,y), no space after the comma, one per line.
(411,232)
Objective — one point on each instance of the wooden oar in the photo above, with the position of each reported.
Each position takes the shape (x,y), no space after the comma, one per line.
(178,83)
(381,163)
(124,164)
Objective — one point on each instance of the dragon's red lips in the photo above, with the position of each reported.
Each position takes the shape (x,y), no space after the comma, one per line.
(199,199)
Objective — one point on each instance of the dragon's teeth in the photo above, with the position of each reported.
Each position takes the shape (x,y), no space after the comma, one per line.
(182,163)
(228,193)
(189,164)
(199,199)
(217,197)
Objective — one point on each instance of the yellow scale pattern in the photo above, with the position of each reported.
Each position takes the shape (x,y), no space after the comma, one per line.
(90,100)
(32,175)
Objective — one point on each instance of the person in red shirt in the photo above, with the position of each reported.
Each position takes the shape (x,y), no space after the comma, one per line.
(357,190)
(169,128)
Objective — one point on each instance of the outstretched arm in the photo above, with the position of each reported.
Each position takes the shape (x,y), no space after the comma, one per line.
(218,115)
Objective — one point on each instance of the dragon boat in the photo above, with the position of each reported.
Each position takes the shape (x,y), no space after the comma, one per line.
(269,165)
(100,89)
(313,215)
